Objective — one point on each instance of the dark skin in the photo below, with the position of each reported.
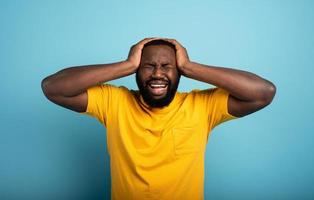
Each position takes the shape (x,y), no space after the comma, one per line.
(248,92)
(68,87)
(158,68)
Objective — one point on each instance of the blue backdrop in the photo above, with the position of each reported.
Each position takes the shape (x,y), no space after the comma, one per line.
(48,152)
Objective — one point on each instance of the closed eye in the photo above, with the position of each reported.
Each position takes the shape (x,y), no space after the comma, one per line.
(167,66)
(149,66)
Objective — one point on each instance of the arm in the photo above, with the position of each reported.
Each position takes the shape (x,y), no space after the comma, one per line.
(248,92)
(68,87)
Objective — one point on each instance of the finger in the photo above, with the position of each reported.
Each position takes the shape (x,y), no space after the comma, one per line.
(176,42)
(173,41)
(141,42)
(177,45)
(139,46)
(146,40)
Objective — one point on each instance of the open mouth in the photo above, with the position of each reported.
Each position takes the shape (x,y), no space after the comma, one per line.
(157,88)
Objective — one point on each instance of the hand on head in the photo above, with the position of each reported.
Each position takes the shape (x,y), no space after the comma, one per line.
(181,53)
(135,52)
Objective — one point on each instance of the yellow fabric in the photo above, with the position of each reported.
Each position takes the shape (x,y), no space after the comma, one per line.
(157,153)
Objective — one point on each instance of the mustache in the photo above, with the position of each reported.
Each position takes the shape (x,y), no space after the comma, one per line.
(158,80)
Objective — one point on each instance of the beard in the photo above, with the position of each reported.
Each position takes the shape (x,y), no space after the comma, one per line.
(153,102)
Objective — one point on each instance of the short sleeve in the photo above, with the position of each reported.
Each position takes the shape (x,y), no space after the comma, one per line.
(101,100)
(215,101)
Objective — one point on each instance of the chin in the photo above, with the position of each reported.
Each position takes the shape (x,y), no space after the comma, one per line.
(157,101)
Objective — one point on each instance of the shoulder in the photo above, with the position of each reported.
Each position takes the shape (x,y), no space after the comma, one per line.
(206,96)
(210,92)
(198,93)
(108,88)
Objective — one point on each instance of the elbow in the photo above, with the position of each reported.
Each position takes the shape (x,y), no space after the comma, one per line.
(269,93)
(46,87)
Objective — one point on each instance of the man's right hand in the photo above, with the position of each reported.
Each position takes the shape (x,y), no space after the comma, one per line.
(68,87)
(135,52)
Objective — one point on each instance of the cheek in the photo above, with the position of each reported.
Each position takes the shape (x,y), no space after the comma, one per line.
(143,71)
(142,78)
(173,76)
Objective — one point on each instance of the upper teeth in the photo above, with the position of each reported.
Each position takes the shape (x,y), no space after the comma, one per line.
(158,85)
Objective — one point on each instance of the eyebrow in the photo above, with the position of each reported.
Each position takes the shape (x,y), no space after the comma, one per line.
(149,63)
(153,63)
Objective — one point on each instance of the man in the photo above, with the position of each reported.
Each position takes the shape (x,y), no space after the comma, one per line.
(157,136)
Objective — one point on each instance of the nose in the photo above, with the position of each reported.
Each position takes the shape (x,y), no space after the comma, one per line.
(158,72)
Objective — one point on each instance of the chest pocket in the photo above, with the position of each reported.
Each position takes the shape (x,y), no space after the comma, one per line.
(185,141)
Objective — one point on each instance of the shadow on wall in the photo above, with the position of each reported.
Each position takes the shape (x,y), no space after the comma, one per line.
(87,161)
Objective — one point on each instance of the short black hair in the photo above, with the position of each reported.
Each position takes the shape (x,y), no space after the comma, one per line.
(160,42)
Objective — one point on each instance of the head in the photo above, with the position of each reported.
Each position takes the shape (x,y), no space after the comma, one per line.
(157,76)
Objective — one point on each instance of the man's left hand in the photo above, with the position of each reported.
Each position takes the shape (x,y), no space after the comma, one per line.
(181,55)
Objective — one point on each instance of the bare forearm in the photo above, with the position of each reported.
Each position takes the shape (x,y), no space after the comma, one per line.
(75,80)
(240,84)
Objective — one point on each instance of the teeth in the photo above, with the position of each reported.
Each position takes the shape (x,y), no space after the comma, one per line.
(157,85)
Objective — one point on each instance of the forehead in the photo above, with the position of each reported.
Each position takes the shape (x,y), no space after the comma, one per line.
(157,53)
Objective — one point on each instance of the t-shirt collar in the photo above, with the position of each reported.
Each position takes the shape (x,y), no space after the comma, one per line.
(164,109)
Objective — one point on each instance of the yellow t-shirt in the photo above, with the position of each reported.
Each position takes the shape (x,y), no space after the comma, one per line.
(157,153)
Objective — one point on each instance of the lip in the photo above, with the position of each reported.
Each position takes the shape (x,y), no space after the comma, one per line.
(157,82)
(158,91)
(157,88)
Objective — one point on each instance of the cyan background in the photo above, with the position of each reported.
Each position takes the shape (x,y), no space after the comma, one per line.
(48,152)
